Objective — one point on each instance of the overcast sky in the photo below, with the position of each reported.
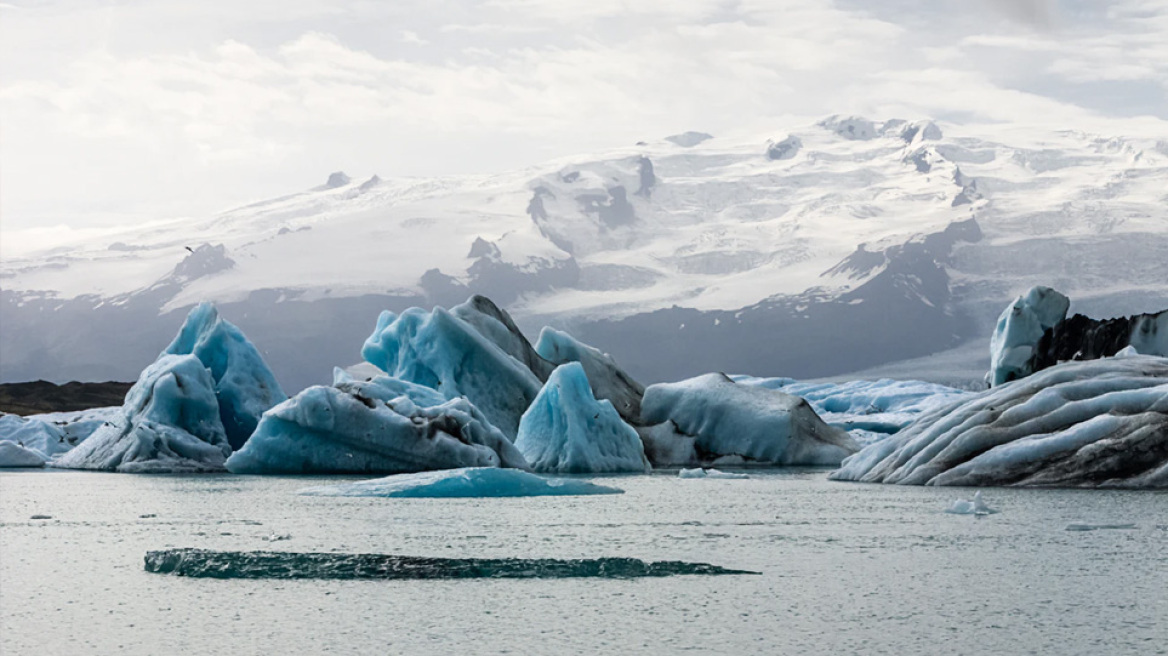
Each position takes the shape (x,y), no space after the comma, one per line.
(126,111)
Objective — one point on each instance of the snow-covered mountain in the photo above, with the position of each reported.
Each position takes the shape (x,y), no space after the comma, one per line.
(828,248)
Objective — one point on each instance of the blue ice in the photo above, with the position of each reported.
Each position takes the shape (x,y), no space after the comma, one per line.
(465,482)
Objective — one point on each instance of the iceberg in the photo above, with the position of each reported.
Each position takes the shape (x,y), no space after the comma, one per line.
(710,473)
(443,352)
(666,446)
(462,483)
(1092,423)
(759,424)
(55,432)
(15,455)
(201,563)
(244,386)
(566,430)
(384,426)
(495,324)
(169,423)
(868,409)
(608,381)
(1019,328)
(976,506)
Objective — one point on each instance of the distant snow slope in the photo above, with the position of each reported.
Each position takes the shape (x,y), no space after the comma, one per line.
(810,251)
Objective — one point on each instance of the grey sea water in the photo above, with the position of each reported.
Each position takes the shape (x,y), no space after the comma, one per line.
(847,569)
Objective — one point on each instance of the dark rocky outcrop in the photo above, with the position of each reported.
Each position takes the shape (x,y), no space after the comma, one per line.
(42,396)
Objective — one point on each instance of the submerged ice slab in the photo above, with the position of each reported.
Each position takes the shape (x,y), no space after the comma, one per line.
(758,424)
(441,351)
(201,563)
(382,426)
(169,423)
(1093,423)
(461,483)
(566,430)
(244,386)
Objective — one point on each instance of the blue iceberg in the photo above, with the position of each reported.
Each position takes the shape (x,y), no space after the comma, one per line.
(495,324)
(566,430)
(383,426)
(760,425)
(1018,331)
(445,353)
(459,483)
(608,381)
(244,386)
(169,423)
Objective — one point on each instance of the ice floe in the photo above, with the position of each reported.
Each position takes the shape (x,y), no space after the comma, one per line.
(463,482)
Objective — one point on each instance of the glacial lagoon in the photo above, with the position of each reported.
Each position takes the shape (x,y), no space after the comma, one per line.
(846,568)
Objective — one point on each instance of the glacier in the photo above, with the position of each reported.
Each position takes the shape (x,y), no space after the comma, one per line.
(759,424)
(869,410)
(608,381)
(244,385)
(439,350)
(566,430)
(1091,423)
(466,482)
(169,423)
(384,426)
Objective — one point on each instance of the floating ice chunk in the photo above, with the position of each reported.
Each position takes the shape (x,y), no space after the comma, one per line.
(441,351)
(566,430)
(44,437)
(201,563)
(14,455)
(756,423)
(244,386)
(1092,423)
(1018,330)
(709,473)
(970,507)
(868,409)
(379,426)
(1126,352)
(169,423)
(608,381)
(1099,527)
(665,445)
(465,482)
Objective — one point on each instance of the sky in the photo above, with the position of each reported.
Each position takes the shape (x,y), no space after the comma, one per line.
(122,112)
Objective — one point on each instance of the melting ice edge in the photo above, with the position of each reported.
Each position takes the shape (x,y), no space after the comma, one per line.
(202,563)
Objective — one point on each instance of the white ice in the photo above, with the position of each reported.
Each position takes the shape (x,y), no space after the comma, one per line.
(14,455)
(465,482)
(380,426)
(567,430)
(869,410)
(698,472)
(976,506)
(169,423)
(756,423)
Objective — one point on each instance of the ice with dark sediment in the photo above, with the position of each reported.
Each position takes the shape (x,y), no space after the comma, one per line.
(200,563)
(1092,423)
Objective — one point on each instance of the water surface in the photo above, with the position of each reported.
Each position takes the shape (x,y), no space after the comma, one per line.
(847,568)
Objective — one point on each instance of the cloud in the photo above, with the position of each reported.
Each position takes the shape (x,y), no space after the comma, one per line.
(150,115)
